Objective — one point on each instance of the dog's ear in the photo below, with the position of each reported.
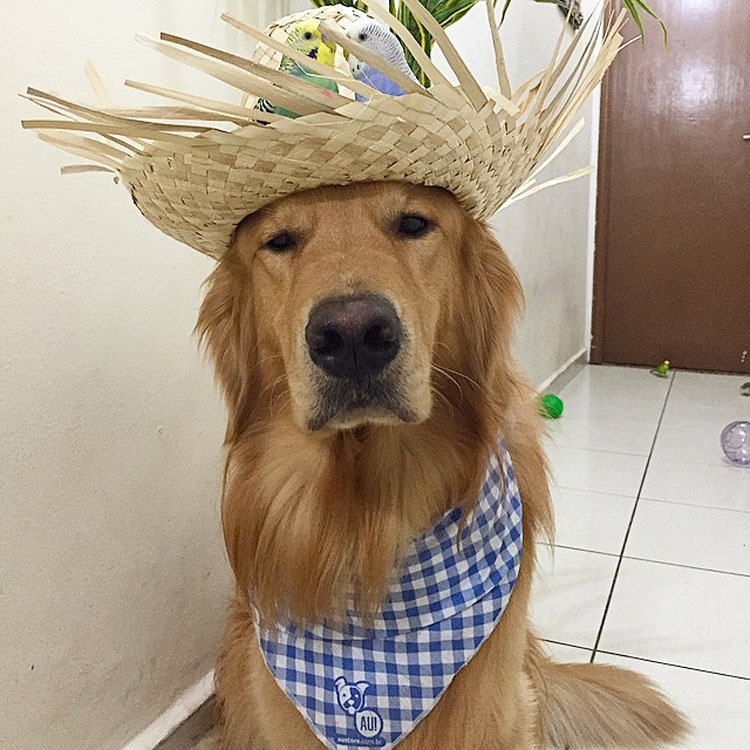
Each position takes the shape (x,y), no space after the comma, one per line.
(225,329)
(492,301)
(363,687)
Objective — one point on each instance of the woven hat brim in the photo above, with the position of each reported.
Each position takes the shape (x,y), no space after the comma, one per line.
(197,182)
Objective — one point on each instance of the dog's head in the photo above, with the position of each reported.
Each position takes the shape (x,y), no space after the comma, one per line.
(351,696)
(346,303)
(361,336)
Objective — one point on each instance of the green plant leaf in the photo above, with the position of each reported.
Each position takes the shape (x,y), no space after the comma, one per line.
(654,15)
(634,7)
(447,12)
(505,10)
(349,3)
(633,10)
(420,33)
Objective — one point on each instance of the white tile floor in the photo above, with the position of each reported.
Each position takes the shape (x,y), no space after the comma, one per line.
(651,568)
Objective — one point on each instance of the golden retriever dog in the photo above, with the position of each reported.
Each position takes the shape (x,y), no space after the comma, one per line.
(361,337)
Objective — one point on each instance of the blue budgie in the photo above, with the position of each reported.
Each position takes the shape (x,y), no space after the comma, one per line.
(380,40)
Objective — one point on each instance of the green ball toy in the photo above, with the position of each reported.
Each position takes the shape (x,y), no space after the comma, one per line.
(551,406)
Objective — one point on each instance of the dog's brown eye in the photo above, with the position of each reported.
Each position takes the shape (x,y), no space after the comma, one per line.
(412,225)
(281,243)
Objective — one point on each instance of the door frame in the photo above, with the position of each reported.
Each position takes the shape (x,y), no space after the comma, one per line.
(601,235)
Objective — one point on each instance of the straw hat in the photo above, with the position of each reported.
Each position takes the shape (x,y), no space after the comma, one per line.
(196,169)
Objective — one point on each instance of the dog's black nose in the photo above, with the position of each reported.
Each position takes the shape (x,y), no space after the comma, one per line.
(353,337)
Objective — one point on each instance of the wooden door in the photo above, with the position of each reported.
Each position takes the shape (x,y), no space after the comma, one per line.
(672,268)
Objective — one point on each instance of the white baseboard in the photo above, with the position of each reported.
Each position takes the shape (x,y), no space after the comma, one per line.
(164,724)
(551,379)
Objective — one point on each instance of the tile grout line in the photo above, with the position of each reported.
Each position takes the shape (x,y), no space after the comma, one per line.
(555,486)
(567,645)
(673,665)
(649,661)
(630,523)
(651,560)
(596,450)
(717,508)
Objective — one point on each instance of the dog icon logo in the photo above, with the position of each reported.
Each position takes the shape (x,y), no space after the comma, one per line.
(351,698)
(351,695)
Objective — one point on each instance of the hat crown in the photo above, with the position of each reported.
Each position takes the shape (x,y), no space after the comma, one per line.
(196,170)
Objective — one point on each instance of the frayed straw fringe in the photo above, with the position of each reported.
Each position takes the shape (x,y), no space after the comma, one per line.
(196,168)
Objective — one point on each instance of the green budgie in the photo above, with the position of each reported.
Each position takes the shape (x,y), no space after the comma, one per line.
(305,37)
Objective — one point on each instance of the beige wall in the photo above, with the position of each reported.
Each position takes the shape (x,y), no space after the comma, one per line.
(113,580)
(112,575)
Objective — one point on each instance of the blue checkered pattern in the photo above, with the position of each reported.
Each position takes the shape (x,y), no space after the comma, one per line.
(369,685)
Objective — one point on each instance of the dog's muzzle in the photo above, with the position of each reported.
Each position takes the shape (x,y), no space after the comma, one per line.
(354,342)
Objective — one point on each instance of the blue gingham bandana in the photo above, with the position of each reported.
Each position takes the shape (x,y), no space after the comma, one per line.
(367,686)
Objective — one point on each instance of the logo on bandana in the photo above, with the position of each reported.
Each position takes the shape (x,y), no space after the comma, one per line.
(367,723)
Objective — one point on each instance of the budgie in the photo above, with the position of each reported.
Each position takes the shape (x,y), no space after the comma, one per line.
(380,40)
(305,37)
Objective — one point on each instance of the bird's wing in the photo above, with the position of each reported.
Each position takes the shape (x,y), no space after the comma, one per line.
(265,106)
(379,81)
(291,66)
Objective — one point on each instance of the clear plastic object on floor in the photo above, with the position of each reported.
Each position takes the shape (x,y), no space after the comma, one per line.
(735,442)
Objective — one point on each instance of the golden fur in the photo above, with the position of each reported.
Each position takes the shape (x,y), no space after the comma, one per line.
(317,507)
